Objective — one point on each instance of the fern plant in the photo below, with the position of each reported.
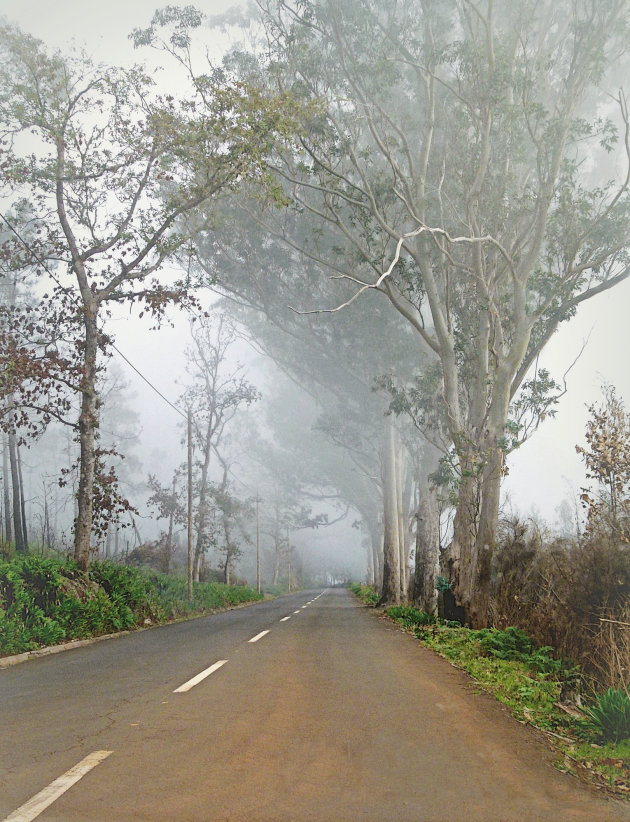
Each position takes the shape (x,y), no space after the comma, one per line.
(510,644)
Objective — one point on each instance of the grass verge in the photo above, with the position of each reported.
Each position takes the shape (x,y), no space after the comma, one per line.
(536,688)
(45,601)
(365,593)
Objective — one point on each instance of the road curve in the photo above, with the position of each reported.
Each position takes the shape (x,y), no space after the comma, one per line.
(309,707)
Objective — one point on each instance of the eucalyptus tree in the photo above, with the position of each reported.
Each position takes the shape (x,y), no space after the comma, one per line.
(336,360)
(264,258)
(115,174)
(452,150)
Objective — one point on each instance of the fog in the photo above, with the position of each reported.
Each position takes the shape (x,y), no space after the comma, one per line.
(275,447)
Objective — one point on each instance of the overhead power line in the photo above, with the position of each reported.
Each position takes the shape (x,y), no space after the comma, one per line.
(148,382)
(69,292)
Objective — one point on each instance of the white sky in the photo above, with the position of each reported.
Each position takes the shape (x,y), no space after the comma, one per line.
(544,471)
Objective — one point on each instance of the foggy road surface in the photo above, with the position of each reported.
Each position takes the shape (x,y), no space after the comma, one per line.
(308,707)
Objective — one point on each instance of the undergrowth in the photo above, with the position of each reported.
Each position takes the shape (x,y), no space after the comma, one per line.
(45,601)
(365,593)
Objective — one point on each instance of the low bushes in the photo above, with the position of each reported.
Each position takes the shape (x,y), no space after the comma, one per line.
(410,617)
(44,601)
(526,679)
(365,593)
(171,595)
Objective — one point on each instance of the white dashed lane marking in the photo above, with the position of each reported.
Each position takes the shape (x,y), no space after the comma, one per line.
(258,636)
(38,804)
(200,677)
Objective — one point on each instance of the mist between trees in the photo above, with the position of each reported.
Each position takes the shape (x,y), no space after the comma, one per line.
(398,204)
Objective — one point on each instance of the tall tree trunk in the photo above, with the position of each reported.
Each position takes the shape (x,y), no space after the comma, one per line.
(427,559)
(198,566)
(479,606)
(22,499)
(405,530)
(88,425)
(487,468)
(427,550)
(375,537)
(46,521)
(202,512)
(108,541)
(169,533)
(390,594)
(401,510)
(459,561)
(228,549)
(8,528)
(475,529)
(367,544)
(20,543)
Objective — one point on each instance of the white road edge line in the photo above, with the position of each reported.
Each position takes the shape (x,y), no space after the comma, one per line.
(258,636)
(200,677)
(284,619)
(38,804)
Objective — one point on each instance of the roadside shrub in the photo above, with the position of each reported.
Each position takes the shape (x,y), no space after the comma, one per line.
(511,643)
(608,717)
(44,600)
(170,595)
(410,617)
(365,593)
(130,585)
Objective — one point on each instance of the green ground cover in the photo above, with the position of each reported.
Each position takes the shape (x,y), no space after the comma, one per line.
(46,600)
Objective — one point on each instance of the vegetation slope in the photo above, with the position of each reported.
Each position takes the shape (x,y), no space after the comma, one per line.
(45,601)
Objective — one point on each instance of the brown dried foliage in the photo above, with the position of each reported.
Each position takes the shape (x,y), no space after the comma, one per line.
(574,597)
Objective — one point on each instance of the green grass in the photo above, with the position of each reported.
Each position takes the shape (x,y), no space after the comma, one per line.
(529,682)
(607,765)
(365,593)
(45,600)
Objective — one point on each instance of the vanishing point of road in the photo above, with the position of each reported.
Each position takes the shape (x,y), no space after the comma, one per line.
(306,707)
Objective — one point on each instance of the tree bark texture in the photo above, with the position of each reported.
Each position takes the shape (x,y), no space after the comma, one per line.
(22,499)
(427,553)
(391,590)
(20,542)
(88,425)
(8,527)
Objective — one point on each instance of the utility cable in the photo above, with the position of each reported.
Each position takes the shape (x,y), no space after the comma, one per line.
(112,345)
(69,292)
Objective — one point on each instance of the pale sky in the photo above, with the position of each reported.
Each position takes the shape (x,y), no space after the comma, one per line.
(545,470)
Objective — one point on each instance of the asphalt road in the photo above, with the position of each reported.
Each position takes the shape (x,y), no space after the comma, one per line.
(332,714)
